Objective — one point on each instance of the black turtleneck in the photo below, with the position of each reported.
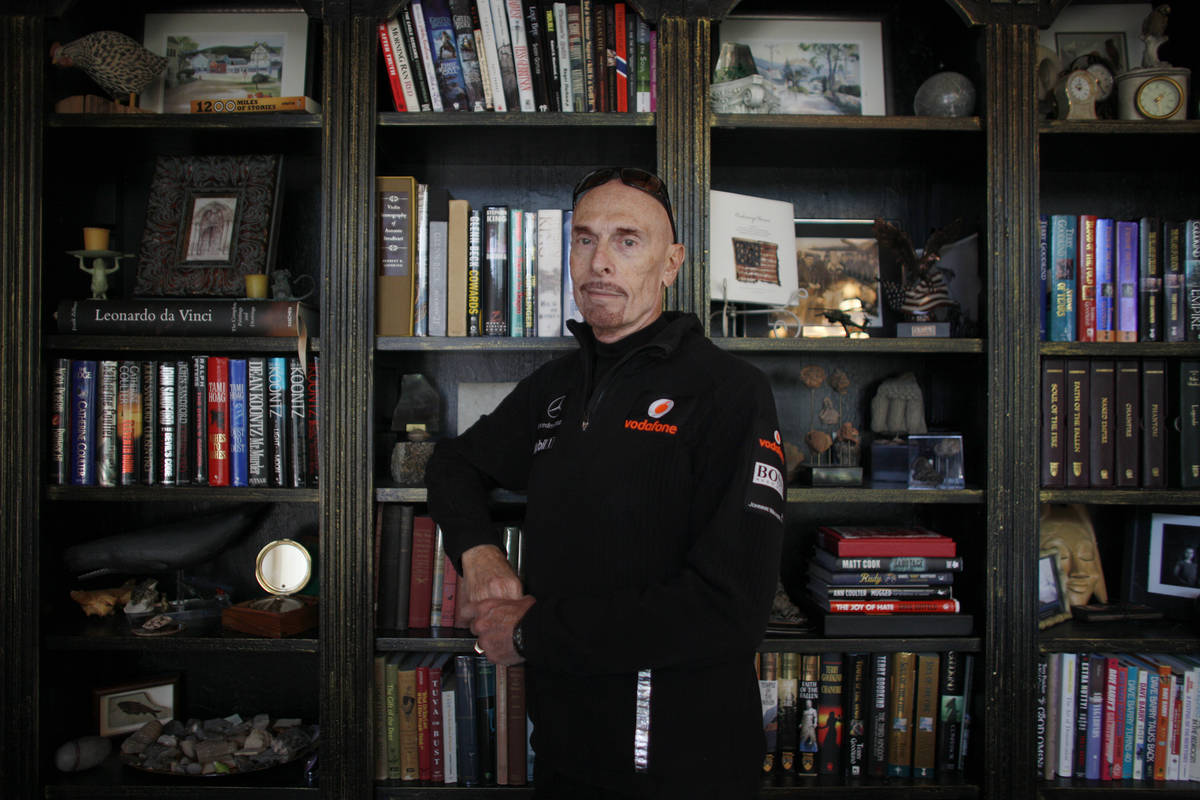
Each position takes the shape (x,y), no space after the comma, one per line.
(607,354)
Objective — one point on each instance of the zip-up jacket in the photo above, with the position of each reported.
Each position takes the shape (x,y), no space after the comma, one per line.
(651,541)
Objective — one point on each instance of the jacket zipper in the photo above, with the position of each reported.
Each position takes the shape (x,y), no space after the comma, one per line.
(598,395)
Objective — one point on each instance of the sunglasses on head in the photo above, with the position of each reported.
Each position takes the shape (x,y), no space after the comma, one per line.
(632,177)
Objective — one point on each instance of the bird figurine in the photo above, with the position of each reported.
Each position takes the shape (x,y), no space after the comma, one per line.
(118,63)
(1154,34)
(923,294)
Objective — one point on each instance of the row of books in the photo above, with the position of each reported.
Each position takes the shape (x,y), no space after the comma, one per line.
(519,55)
(902,714)
(195,420)
(1111,423)
(1111,280)
(442,718)
(415,584)
(1118,716)
(447,269)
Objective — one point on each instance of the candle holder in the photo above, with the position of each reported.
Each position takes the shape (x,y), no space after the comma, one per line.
(99,268)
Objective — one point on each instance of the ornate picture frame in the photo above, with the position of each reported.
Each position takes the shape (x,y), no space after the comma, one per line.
(1158,572)
(129,706)
(210,220)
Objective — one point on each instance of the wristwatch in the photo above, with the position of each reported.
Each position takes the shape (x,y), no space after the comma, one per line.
(519,638)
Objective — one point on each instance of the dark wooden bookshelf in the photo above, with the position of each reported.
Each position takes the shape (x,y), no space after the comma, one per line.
(177,494)
(1127,790)
(175,344)
(808,122)
(1141,636)
(541,119)
(238,122)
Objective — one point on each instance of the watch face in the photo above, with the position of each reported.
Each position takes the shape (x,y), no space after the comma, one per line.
(1079,86)
(1159,98)
(1104,80)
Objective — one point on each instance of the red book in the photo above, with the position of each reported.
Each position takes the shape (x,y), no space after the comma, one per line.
(884,541)
(449,595)
(420,589)
(311,409)
(218,421)
(1085,280)
(622,50)
(940,606)
(516,725)
(389,59)
(424,732)
(1108,731)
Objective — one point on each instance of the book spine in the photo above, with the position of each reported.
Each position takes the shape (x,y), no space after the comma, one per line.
(420,598)
(644,66)
(520,52)
(1085,280)
(808,715)
(873,578)
(1175,316)
(1069,677)
(887,563)
(421,263)
(467,48)
(450,728)
(297,426)
(1043,273)
(1053,418)
(423,52)
(83,423)
(1150,280)
(60,420)
(1108,729)
(575,50)
(218,421)
(946,606)
(199,391)
(424,732)
(504,52)
(404,66)
(620,58)
(767,668)
(1078,392)
(1163,722)
(877,714)
(1062,310)
(900,705)
(1101,427)
(466,728)
(410,740)
(167,429)
(549,272)
(389,61)
(439,578)
(443,47)
(449,594)
(239,464)
(494,276)
(1133,685)
(1191,272)
(1053,667)
(457,247)
(875,593)
(550,53)
(312,424)
(535,42)
(277,420)
(107,447)
(438,275)
(474,274)
(1097,689)
(1189,424)
(1154,421)
(437,755)
(1105,282)
(392,715)
(485,717)
(516,272)
(570,310)
(183,424)
(1128,423)
(484,53)
(830,714)
(257,473)
(925,714)
(599,32)
(530,274)
(150,431)
(789,687)
(379,715)
(1083,699)
(185,317)
(1119,674)
(857,700)
(516,726)
(1126,267)
(129,422)
(566,86)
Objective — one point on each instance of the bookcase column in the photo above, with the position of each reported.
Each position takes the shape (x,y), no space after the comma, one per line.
(347,346)
(21,60)
(683,149)
(1012,493)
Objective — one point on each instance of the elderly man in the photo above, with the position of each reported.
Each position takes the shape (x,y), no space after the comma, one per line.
(653,467)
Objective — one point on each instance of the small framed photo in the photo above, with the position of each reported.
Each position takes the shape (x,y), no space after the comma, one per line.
(127,707)
(1111,31)
(816,65)
(226,56)
(210,220)
(1053,605)
(1162,563)
(837,264)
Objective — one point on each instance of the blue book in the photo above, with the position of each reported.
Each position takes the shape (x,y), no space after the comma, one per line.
(1191,277)
(239,463)
(464,721)
(1126,257)
(1097,681)
(1150,280)
(1043,271)
(82,439)
(1130,722)
(485,718)
(443,47)
(277,420)
(1105,282)
(1063,232)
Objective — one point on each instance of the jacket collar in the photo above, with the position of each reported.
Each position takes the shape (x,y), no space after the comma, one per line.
(680,326)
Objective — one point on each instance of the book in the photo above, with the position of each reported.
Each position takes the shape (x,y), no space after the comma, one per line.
(474,274)
(406,715)
(570,310)
(391,691)
(1082,701)
(412,51)
(1191,277)
(515,715)
(450,723)
(420,597)
(947,605)
(468,53)
(549,272)
(1108,729)
(439,211)
(443,50)
(465,726)
(239,456)
(1049,718)
(494,272)
(439,576)
(210,316)
(560,57)
(1053,417)
(1106,285)
(925,716)
(437,667)
(823,590)
(830,714)
(789,712)
(518,41)
(82,439)
(878,724)
(599,39)
(845,541)
(1101,425)
(620,57)
(107,447)
(857,701)
(1068,676)
(1097,680)
(827,560)
(897,624)
(535,36)
(485,718)
(391,37)
(1150,280)
(379,715)
(312,421)
(257,473)
(1175,314)
(1128,430)
(129,420)
(199,446)
(951,686)
(1078,373)
(767,668)
(900,714)
(424,726)
(516,272)
(396,198)
(167,429)
(529,273)
(1189,423)
(1126,272)
(808,714)
(449,594)
(60,418)
(504,81)
(243,105)
(297,423)
(645,65)
(458,214)
(423,51)
(218,421)
(150,430)
(183,415)
(277,420)
(874,578)
(1154,422)
(1061,312)
(576,57)
(420,309)
(1085,279)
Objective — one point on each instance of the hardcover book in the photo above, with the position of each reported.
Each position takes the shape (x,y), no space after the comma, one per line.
(768,695)
(535,39)
(150,429)
(1191,272)
(468,53)
(1189,424)
(828,592)
(277,420)
(789,711)
(458,299)
(827,560)
(516,272)
(952,704)
(218,421)
(107,447)
(515,18)
(423,51)
(925,715)
(416,62)
(857,702)
(880,665)
(297,423)
(443,47)
(420,310)
(1126,260)
(183,416)
(1154,422)
(1128,432)
(406,714)
(830,714)
(239,464)
(506,65)
(549,272)
(474,273)
(846,541)
(485,718)
(1106,285)
(1061,314)
(515,715)
(896,606)
(420,596)
(396,198)
(493,284)
(389,59)
(60,419)
(1101,441)
(257,472)
(529,271)
(312,439)
(873,578)
(129,421)
(199,446)
(209,316)
(1150,280)
(808,715)
(466,728)
(1054,474)
(83,423)
(1077,430)
(167,428)
(1097,681)
(1175,309)
(1085,280)
(900,714)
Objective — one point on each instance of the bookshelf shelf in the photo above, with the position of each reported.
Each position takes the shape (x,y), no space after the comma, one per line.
(795,494)
(188,122)
(840,345)
(114,780)
(806,122)
(1126,790)
(177,494)
(898,788)
(1121,497)
(1122,349)
(1115,127)
(168,344)
(485,344)
(1143,636)
(112,637)
(548,119)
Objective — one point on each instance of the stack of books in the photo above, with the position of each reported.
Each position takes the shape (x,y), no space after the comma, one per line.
(884,580)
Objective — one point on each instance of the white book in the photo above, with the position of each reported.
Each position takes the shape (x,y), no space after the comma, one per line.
(438,273)
(422,33)
(566,93)
(570,310)
(504,54)
(421,287)
(1139,726)
(449,729)
(520,51)
(481,54)
(550,270)
(489,57)
(395,34)
(1066,713)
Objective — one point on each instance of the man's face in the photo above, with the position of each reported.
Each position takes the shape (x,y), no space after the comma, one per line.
(622,257)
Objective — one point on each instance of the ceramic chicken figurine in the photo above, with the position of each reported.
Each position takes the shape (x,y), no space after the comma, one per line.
(118,63)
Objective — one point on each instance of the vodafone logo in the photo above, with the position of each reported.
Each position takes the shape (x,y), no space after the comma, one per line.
(778,438)
(660,408)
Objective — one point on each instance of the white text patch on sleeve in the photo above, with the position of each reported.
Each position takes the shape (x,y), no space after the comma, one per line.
(770,476)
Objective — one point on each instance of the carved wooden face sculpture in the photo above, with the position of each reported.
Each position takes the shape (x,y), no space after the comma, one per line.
(1068,532)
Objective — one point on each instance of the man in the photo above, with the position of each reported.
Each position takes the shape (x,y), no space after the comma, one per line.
(653,469)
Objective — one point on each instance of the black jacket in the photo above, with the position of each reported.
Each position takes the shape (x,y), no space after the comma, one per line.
(651,541)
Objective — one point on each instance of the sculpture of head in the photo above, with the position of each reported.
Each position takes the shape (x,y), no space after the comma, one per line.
(1068,532)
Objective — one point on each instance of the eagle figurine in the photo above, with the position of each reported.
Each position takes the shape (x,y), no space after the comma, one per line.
(118,63)
(923,293)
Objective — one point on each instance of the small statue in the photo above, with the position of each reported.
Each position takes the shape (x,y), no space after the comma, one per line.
(898,407)
(99,273)
(923,293)
(1154,34)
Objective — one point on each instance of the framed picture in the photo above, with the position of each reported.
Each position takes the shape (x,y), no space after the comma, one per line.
(1110,30)
(751,249)
(1162,563)
(1053,606)
(210,220)
(224,56)
(125,708)
(837,263)
(817,65)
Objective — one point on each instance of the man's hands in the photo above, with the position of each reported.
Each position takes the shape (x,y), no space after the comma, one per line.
(493,601)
